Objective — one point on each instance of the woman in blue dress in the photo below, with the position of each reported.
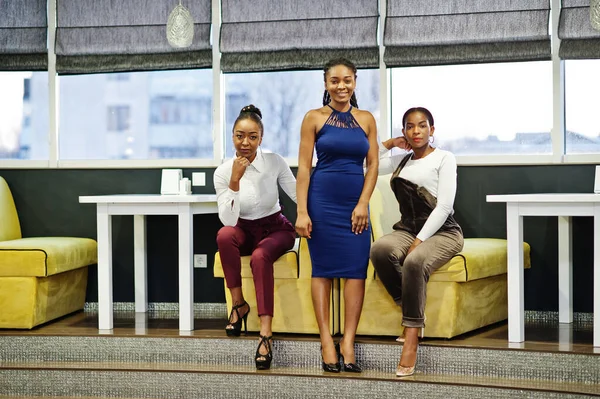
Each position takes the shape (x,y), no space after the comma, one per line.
(333,204)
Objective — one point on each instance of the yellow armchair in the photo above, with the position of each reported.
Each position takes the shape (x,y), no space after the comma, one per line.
(467,293)
(293,312)
(41,278)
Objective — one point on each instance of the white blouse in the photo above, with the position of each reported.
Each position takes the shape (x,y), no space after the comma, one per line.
(437,173)
(258,196)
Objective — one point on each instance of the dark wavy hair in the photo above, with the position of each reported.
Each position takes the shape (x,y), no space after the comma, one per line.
(335,62)
(422,110)
(253,113)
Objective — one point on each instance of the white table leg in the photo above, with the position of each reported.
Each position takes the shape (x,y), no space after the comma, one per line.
(141,324)
(565,337)
(139,261)
(105,286)
(516,303)
(186,275)
(565,270)
(597,275)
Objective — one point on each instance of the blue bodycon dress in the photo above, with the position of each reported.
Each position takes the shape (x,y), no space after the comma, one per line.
(335,187)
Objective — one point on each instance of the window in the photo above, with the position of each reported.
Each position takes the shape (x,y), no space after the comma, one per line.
(179,111)
(284,98)
(24,115)
(139,115)
(118,118)
(582,86)
(480,109)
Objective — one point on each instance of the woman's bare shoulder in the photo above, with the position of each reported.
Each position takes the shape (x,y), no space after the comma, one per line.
(317,115)
(365,119)
(319,112)
(363,114)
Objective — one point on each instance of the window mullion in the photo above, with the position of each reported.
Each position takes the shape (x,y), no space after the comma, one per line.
(385,130)
(218,116)
(53,98)
(558,133)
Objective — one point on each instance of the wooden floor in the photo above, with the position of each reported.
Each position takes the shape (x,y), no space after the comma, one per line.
(547,336)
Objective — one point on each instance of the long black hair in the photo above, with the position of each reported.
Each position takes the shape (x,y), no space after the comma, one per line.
(335,62)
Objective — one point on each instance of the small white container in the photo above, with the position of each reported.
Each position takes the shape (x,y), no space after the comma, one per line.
(185,186)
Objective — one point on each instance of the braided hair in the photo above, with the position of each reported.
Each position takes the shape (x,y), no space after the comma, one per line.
(335,62)
(253,113)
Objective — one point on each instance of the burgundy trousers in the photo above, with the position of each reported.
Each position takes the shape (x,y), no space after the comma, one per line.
(265,239)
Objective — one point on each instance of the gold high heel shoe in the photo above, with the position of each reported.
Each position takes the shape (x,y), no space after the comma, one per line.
(403,371)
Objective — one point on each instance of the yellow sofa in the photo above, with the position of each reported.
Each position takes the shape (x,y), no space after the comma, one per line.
(293,312)
(41,278)
(467,293)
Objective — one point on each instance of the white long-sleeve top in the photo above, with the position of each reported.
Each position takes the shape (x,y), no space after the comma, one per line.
(436,172)
(258,196)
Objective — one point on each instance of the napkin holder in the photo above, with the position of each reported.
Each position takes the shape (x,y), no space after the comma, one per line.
(169,183)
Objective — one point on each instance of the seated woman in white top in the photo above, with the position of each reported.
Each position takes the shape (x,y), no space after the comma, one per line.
(248,199)
(427,236)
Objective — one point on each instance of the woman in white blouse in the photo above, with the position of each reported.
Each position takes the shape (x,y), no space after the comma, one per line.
(248,199)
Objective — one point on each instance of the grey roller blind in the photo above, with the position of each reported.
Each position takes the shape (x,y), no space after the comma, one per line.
(578,39)
(118,35)
(267,35)
(23,35)
(434,32)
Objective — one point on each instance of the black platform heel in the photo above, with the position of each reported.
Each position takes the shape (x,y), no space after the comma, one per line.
(235,329)
(330,367)
(349,367)
(263,362)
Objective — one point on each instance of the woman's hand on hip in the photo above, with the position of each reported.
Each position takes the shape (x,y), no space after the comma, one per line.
(303,225)
(360,218)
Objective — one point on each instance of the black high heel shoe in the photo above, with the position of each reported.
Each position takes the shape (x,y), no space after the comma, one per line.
(349,367)
(263,362)
(235,329)
(330,367)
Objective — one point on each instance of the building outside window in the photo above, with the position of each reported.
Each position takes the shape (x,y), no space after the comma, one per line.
(118,118)
(149,115)
(23,121)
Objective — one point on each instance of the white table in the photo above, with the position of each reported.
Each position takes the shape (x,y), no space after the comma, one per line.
(140,205)
(564,206)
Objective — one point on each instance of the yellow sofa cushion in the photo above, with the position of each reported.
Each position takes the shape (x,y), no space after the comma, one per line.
(45,256)
(284,267)
(384,210)
(10,229)
(480,258)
